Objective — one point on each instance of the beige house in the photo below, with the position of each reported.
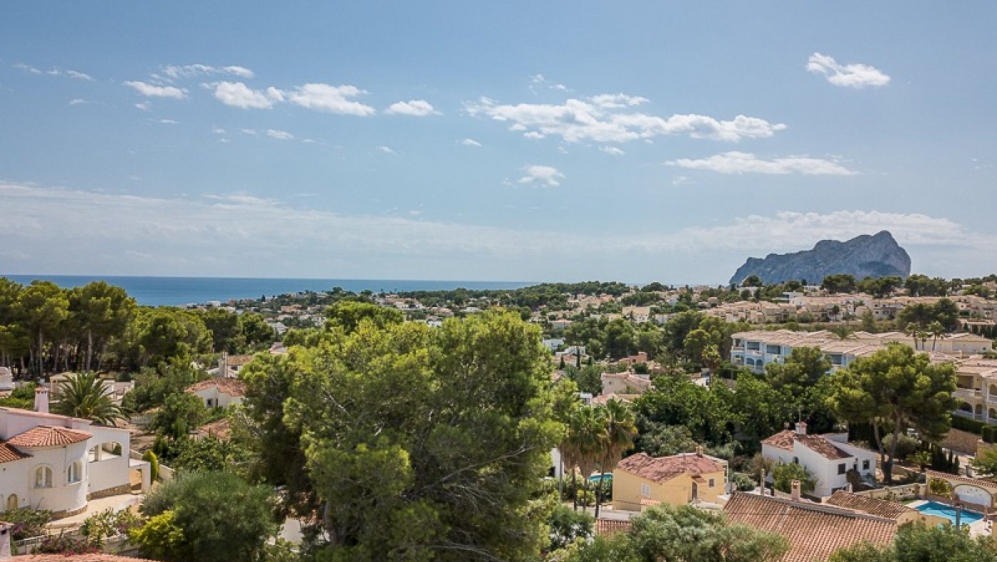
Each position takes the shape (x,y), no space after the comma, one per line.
(625,383)
(219,393)
(641,480)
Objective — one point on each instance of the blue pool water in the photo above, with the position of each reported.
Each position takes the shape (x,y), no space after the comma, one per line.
(948,512)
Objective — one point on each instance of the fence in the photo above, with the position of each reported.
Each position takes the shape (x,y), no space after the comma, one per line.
(895,493)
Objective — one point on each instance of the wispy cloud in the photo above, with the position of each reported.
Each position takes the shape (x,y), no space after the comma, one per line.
(746,163)
(470,142)
(846,75)
(330,99)
(169,121)
(144,106)
(279,135)
(192,70)
(414,108)
(153,91)
(543,176)
(612,150)
(27,68)
(77,101)
(578,120)
(387,150)
(233,227)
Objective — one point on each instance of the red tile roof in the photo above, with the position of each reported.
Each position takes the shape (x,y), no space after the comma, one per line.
(820,445)
(662,469)
(866,504)
(47,436)
(219,429)
(10,454)
(232,387)
(609,527)
(814,531)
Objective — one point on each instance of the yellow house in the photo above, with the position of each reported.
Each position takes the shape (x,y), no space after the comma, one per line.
(642,480)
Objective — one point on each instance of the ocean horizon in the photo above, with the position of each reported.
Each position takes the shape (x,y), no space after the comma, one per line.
(181,291)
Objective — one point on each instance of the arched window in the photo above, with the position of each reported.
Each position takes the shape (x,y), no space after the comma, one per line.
(43,477)
(75,473)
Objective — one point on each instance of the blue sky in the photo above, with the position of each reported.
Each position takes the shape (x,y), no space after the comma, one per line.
(491,141)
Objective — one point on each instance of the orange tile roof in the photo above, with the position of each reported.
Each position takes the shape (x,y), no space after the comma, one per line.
(232,387)
(662,469)
(609,527)
(219,429)
(814,531)
(47,436)
(10,454)
(820,445)
(866,504)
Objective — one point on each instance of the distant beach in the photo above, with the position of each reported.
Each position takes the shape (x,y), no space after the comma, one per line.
(179,291)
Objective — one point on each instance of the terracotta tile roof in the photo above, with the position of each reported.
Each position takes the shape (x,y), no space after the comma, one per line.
(609,527)
(238,360)
(232,387)
(47,436)
(820,445)
(220,429)
(814,531)
(866,504)
(961,479)
(10,454)
(663,469)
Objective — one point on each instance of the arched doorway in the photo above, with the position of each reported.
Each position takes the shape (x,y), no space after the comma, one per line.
(12,502)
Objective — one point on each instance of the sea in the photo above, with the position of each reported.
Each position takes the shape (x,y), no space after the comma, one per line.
(181,291)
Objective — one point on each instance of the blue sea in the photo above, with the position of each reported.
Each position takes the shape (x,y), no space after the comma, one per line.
(180,291)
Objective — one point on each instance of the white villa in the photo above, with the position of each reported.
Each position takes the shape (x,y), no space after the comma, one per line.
(828,457)
(60,463)
(219,393)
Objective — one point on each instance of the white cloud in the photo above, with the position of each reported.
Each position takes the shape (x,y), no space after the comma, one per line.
(168,121)
(680,180)
(279,135)
(77,101)
(79,75)
(237,94)
(415,108)
(331,99)
(144,106)
(615,101)
(387,150)
(745,163)
(546,175)
(150,90)
(250,132)
(846,75)
(27,68)
(191,70)
(219,131)
(576,120)
(48,225)
(612,150)
(470,142)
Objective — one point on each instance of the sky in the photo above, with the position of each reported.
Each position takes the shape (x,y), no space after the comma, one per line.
(514,141)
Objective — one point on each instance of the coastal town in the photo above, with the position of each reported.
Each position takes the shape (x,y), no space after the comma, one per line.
(756,405)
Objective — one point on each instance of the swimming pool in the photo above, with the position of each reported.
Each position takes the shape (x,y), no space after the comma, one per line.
(948,512)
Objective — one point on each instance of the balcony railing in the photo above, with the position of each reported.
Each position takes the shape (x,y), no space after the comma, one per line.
(967,393)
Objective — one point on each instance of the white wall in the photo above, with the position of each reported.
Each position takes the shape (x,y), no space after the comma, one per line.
(62,496)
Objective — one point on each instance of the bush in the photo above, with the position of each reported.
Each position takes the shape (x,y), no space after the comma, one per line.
(906,445)
(65,544)
(108,523)
(783,475)
(153,461)
(27,522)
(940,488)
(742,482)
(967,424)
(567,525)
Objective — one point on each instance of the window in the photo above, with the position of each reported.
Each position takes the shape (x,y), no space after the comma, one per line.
(43,477)
(75,473)
(711,483)
(865,464)
(841,468)
(645,490)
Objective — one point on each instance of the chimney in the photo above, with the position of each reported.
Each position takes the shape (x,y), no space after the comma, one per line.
(5,531)
(699,450)
(41,399)
(223,365)
(762,481)
(801,428)
(796,490)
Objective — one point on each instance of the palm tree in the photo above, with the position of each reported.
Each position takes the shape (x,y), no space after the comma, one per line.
(936,330)
(842,331)
(915,331)
(82,395)
(586,430)
(621,429)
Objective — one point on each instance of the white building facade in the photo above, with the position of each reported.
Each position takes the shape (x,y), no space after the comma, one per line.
(827,457)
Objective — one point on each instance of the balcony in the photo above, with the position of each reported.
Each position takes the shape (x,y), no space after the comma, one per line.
(965,393)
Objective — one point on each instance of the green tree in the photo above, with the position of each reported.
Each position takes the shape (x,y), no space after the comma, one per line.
(225,330)
(920,543)
(349,314)
(683,534)
(207,516)
(427,443)
(783,475)
(180,414)
(985,463)
(839,283)
(101,311)
(618,438)
(84,395)
(42,308)
(894,389)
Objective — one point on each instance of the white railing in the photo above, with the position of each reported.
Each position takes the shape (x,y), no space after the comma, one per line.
(967,393)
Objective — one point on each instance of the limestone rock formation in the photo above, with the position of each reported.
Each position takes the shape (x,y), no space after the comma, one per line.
(862,256)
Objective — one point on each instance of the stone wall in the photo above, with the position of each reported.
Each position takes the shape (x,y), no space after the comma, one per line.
(115,491)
